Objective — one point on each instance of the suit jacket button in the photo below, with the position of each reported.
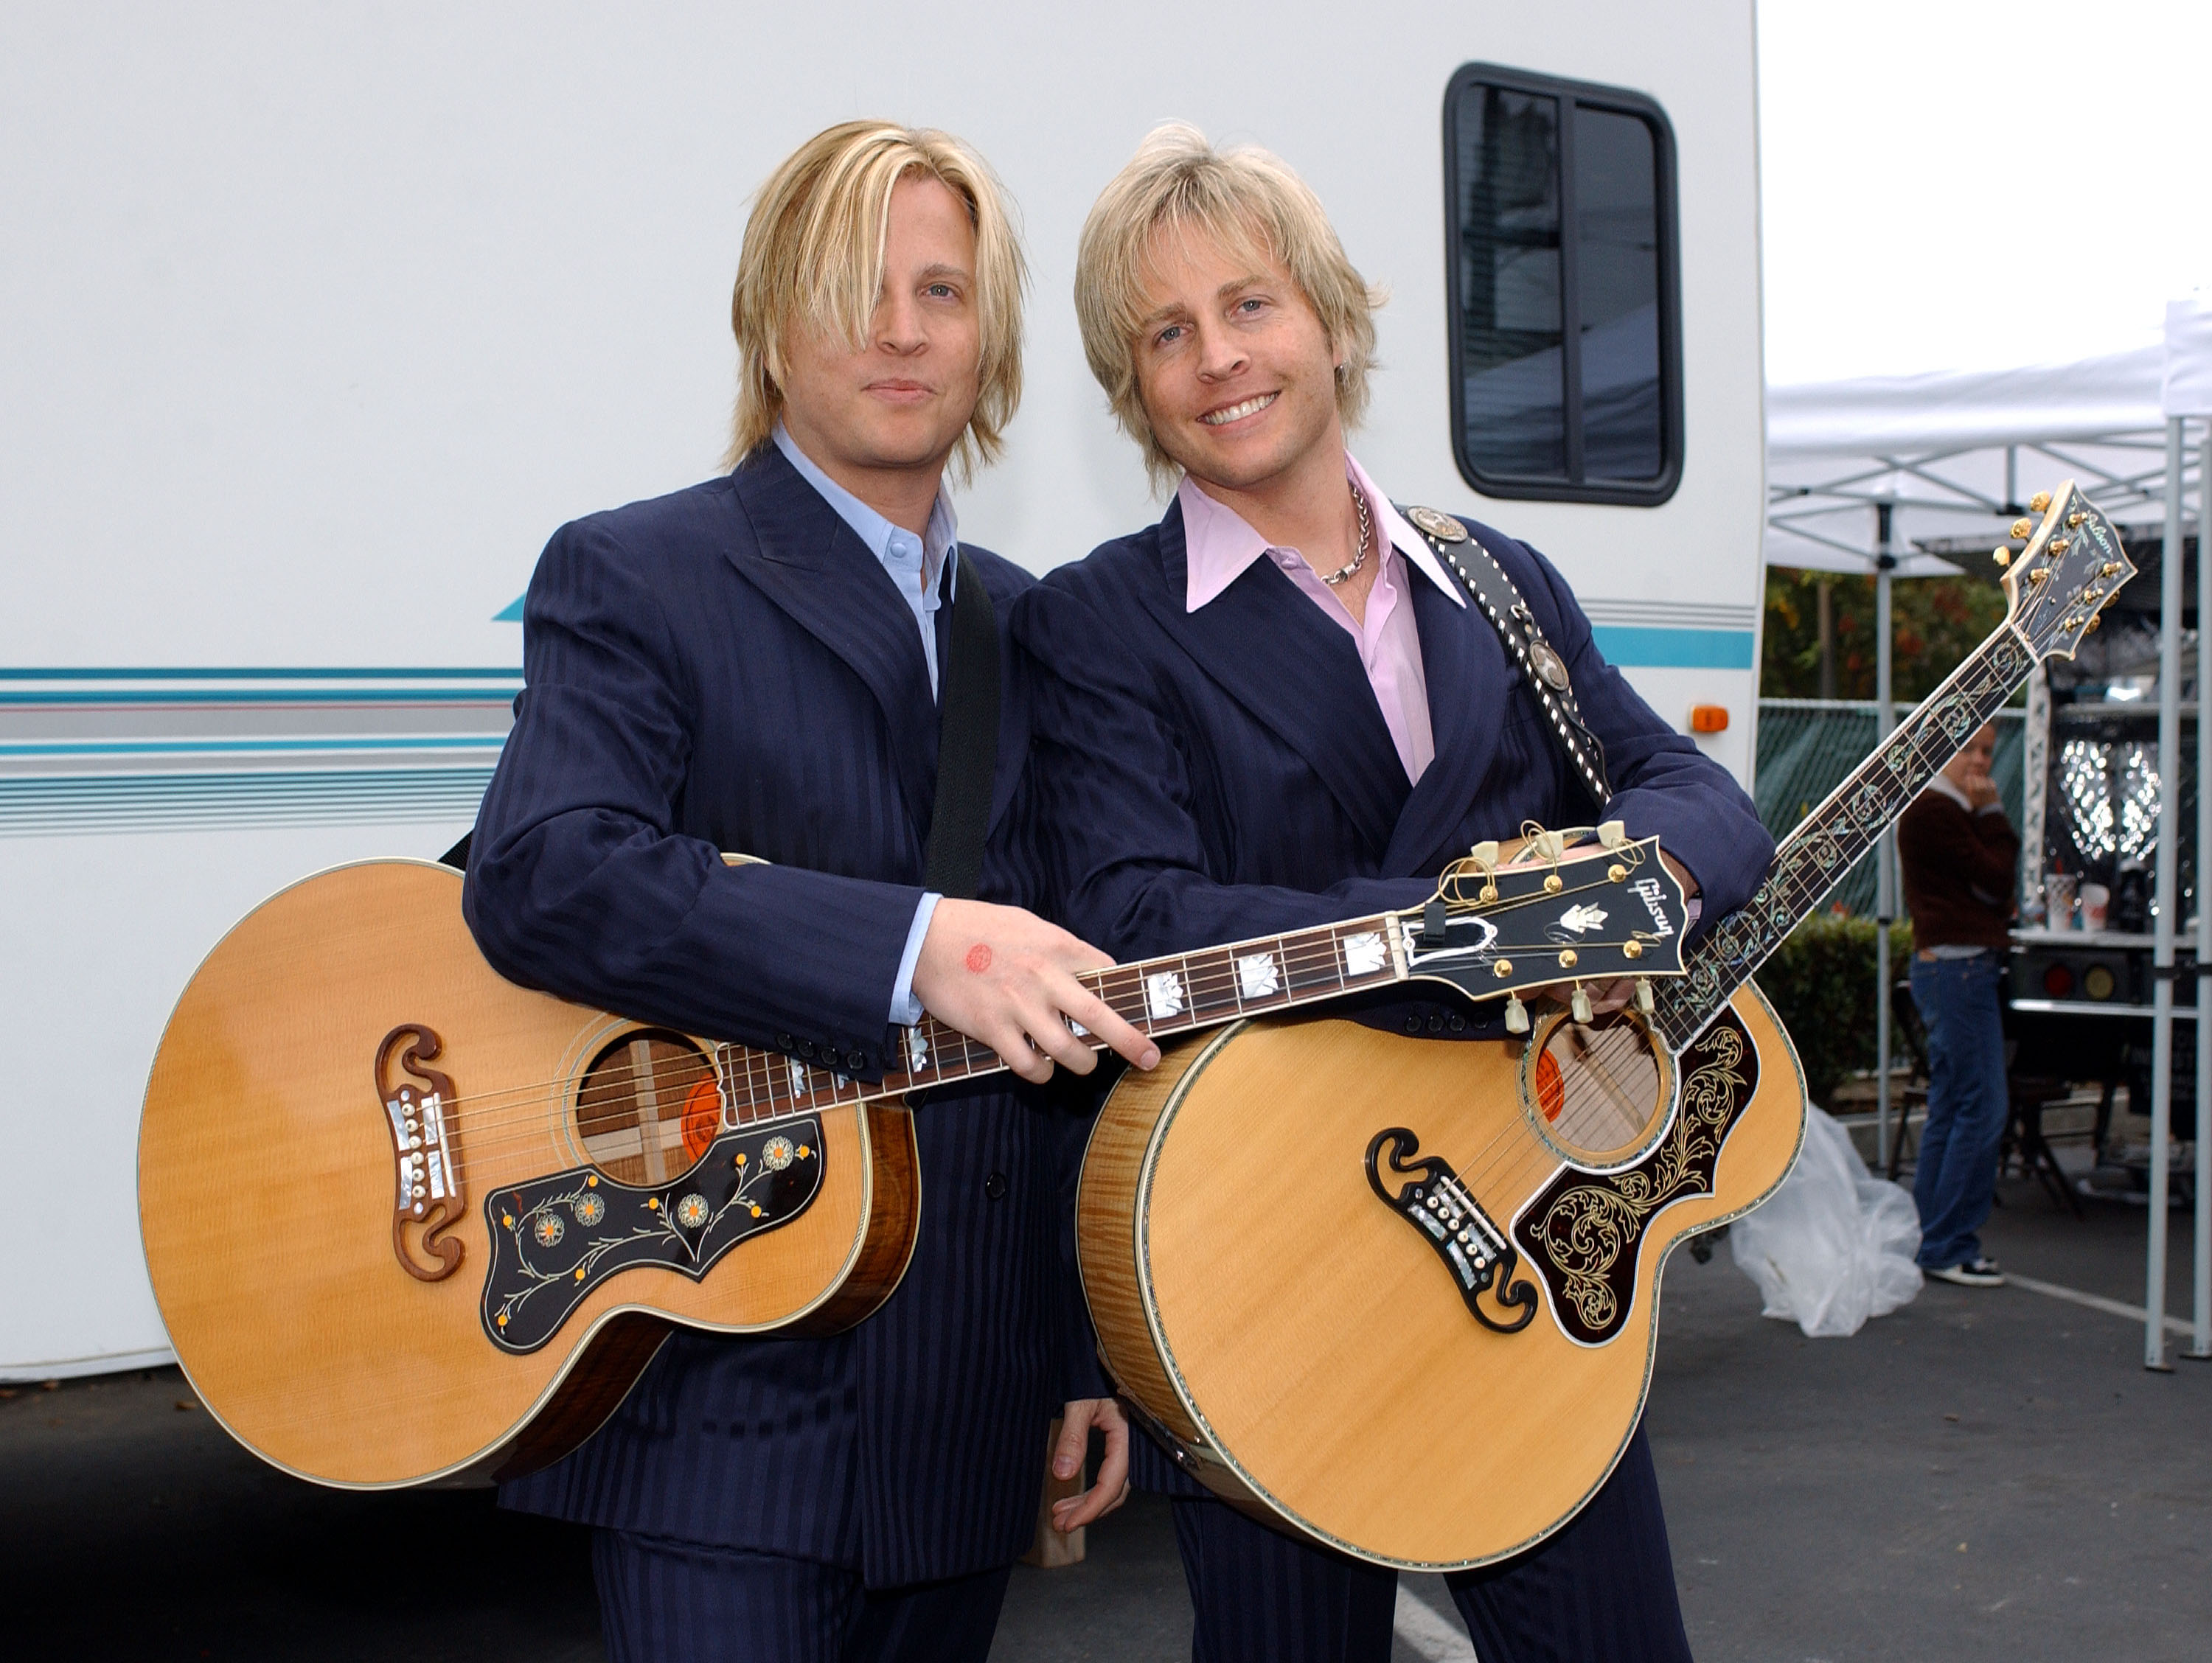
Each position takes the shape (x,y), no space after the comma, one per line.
(995,1186)
(856,1060)
(783,1042)
(1437,1023)
(806,1049)
(1458,1023)
(1413,1021)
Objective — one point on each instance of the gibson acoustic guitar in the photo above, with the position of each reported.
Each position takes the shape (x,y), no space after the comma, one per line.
(408,1223)
(1399,1295)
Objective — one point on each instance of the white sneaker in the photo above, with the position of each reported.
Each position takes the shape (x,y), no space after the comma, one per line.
(1983,1272)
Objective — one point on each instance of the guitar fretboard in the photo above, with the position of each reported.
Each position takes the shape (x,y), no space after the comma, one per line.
(1160,997)
(1816,855)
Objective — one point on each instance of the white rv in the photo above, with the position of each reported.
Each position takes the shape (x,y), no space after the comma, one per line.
(320,320)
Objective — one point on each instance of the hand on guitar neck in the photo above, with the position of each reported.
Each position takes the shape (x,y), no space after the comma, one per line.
(1006,977)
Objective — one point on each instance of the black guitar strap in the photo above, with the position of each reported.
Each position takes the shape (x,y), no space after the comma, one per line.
(967,743)
(1541,667)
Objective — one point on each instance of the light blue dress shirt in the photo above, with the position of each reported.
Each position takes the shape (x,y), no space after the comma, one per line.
(915,564)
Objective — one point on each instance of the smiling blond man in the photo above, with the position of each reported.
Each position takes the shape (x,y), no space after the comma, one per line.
(755,664)
(1276,708)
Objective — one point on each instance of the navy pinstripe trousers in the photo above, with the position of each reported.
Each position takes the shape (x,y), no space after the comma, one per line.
(1602,1591)
(663,1602)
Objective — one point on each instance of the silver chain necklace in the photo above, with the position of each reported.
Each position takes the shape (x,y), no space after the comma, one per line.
(1366,535)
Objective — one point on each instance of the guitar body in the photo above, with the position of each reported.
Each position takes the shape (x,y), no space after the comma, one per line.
(346,1048)
(1309,1350)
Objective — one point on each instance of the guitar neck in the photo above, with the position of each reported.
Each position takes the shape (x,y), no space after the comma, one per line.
(1824,847)
(1180,993)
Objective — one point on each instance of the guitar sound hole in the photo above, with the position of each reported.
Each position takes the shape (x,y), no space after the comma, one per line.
(648,1106)
(1599,1090)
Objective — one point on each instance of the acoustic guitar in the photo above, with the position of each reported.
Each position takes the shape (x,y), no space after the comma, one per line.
(1400,1296)
(409,1223)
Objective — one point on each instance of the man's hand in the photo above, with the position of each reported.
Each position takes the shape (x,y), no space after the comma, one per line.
(1076,1420)
(1008,978)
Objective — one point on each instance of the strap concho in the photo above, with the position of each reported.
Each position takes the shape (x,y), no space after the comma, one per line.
(1541,667)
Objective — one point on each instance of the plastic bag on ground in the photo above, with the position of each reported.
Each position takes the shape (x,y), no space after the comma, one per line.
(1834,1245)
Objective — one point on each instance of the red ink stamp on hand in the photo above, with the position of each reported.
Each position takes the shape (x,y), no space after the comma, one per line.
(979,958)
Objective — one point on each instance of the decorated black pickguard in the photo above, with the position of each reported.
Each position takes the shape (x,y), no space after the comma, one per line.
(556,1238)
(1584,1233)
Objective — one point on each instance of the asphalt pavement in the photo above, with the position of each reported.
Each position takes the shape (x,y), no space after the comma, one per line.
(1984,1474)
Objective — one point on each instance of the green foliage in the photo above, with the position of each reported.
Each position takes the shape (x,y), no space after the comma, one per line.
(1937,621)
(1821,982)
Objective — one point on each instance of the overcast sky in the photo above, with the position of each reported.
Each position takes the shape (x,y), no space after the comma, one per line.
(1960,184)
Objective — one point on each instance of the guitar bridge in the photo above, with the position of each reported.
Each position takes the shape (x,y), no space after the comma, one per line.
(1479,1255)
(422,1150)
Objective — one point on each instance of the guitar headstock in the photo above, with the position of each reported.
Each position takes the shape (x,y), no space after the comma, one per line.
(1549,913)
(2072,567)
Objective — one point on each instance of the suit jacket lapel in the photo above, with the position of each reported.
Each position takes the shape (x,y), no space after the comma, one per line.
(1297,672)
(808,561)
(1469,682)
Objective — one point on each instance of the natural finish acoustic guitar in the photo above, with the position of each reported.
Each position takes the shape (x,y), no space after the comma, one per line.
(408,1223)
(1398,1297)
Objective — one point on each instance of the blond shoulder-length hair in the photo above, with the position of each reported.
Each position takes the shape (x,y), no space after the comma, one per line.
(813,260)
(1250,204)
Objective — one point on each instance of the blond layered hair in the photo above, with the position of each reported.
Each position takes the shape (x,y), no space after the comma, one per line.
(813,260)
(1250,203)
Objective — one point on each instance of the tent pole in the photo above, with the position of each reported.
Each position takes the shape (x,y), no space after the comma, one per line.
(2200,1337)
(2169,831)
(1885,874)
(2012,479)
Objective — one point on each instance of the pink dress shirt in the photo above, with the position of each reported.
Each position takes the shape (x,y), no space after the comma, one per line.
(1219,545)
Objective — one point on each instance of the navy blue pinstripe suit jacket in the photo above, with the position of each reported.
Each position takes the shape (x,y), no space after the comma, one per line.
(730,668)
(1225,773)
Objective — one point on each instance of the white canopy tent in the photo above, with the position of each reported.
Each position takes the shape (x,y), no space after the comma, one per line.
(1862,473)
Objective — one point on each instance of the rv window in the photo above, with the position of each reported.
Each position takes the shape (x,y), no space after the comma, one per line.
(1565,323)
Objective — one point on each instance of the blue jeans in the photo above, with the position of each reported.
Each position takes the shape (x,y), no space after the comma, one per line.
(1966,1104)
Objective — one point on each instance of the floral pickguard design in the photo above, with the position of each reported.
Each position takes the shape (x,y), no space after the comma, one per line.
(1584,1233)
(556,1238)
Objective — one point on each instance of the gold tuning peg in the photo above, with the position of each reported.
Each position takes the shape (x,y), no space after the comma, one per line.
(2095,618)
(2074,519)
(1549,844)
(2039,501)
(1643,994)
(2022,527)
(1484,856)
(1516,1014)
(2002,554)
(1580,1005)
(1612,834)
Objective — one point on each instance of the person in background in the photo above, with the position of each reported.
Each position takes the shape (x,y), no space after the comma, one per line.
(1959,856)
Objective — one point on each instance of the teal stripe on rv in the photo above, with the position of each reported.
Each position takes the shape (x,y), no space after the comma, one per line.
(1633,645)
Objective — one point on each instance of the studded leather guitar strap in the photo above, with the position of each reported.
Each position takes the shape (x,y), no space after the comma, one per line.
(1541,667)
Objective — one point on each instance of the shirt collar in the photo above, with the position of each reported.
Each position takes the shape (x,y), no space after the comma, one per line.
(1219,543)
(940,540)
(1939,783)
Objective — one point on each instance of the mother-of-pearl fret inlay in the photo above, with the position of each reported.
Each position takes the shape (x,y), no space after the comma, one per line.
(1258,975)
(1163,994)
(1364,953)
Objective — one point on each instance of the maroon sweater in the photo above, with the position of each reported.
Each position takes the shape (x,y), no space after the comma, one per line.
(1959,871)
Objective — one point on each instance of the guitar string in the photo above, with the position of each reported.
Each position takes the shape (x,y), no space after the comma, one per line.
(1916,739)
